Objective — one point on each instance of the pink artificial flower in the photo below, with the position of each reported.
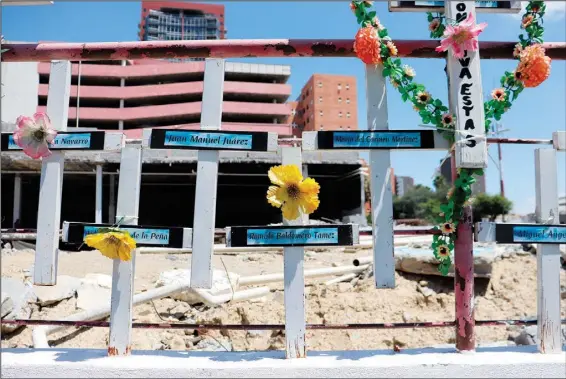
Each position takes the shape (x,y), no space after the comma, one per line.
(34,135)
(461,37)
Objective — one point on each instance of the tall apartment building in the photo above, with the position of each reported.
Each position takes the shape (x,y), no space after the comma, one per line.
(326,102)
(173,20)
(403,184)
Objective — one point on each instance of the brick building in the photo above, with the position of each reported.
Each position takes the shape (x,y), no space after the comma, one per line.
(326,102)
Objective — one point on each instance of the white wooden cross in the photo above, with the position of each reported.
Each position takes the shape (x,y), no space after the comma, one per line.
(51,184)
(466,96)
(379,140)
(204,217)
(293,237)
(123,272)
(51,187)
(549,234)
(209,141)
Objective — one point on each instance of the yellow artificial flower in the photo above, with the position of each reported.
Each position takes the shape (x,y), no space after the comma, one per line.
(423,97)
(291,193)
(447,228)
(443,252)
(112,243)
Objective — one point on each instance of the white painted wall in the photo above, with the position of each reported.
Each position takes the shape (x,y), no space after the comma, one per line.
(20,83)
(498,362)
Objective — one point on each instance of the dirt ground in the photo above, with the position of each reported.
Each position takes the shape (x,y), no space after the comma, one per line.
(510,294)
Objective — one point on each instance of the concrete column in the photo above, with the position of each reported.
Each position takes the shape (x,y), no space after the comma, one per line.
(17,198)
(112,200)
(122,84)
(98,202)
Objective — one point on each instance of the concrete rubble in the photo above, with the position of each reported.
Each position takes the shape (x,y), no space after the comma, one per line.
(528,335)
(336,294)
(7,304)
(65,288)
(22,296)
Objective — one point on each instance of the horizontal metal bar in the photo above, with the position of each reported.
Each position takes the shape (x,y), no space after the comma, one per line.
(8,235)
(239,48)
(520,141)
(414,232)
(179,325)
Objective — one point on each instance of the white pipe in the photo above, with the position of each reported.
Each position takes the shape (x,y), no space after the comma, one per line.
(98,195)
(343,278)
(237,296)
(40,333)
(363,260)
(16,213)
(313,273)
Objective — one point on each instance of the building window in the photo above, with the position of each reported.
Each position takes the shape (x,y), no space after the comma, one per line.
(339,100)
(348,114)
(347,100)
(321,127)
(339,86)
(293,112)
(319,84)
(320,99)
(339,114)
(320,113)
(347,86)
(308,119)
(312,102)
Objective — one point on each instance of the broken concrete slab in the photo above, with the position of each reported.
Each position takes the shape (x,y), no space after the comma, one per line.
(528,335)
(7,304)
(101,280)
(221,285)
(65,288)
(422,261)
(22,296)
(90,296)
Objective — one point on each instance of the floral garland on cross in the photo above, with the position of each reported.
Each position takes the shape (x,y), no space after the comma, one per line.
(374,46)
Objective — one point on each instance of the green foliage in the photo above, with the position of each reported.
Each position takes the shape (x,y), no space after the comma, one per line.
(490,206)
(441,188)
(403,208)
(419,202)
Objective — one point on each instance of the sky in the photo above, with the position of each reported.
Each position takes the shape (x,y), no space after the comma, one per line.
(536,114)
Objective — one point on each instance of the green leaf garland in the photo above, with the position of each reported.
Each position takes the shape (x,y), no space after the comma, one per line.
(435,113)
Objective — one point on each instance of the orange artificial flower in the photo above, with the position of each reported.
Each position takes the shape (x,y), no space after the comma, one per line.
(353,7)
(534,66)
(527,20)
(367,45)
